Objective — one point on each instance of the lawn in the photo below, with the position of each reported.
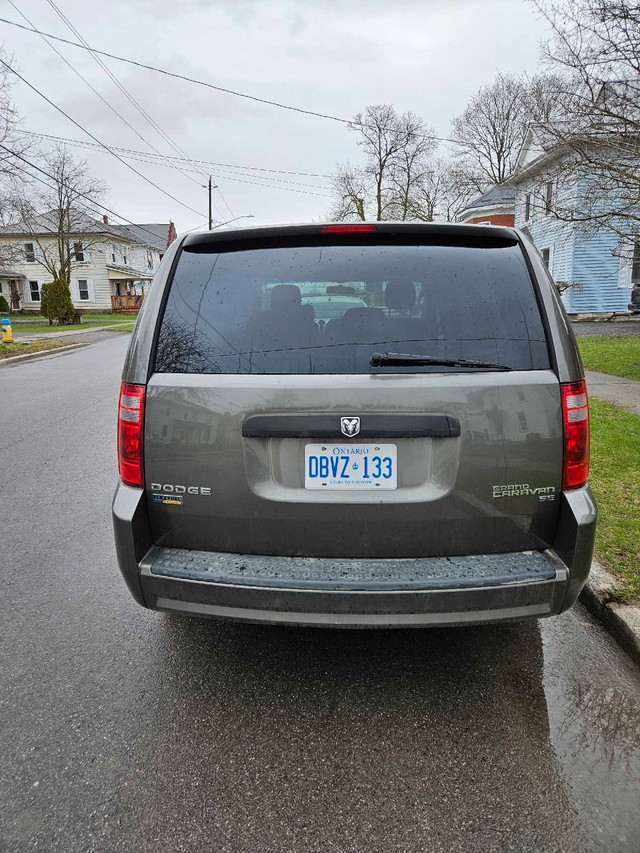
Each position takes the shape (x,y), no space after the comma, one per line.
(615,480)
(123,327)
(26,328)
(9,350)
(619,356)
(132,316)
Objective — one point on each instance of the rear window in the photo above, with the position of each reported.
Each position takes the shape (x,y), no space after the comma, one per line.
(326,309)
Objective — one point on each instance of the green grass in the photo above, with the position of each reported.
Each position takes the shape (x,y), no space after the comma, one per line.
(121,327)
(108,317)
(615,480)
(9,350)
(25,328)
(619,356)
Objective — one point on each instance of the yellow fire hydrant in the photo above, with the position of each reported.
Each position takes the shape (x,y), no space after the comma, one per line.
(7,335)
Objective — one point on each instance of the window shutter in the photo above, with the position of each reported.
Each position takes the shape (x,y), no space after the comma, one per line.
(92,293)
(75,293)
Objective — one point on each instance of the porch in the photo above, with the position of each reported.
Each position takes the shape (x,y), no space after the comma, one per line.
(127,302)
(127,287)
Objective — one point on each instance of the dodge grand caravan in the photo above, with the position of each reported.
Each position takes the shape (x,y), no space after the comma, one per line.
(418,457)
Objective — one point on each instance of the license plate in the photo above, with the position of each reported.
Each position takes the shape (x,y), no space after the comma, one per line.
(350,467)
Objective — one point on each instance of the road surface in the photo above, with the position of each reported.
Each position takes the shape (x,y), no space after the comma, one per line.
(126,730)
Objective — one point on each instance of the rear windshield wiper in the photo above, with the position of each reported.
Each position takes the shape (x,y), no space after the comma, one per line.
(399,359)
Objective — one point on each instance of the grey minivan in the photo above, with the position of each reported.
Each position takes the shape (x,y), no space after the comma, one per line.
(419,457)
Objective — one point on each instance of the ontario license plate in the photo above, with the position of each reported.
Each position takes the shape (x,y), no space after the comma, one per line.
(350,467)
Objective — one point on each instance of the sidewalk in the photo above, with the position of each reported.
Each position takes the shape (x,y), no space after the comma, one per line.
(614,389)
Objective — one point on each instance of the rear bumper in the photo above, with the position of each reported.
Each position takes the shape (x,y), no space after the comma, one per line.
(375,593)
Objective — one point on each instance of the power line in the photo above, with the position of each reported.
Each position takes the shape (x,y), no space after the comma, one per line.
(154,124)
(95,138)
(190,159)
(97,204)
(95,91)
(211,85)
(145,157)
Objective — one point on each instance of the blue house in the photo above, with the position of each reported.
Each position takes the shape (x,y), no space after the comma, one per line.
(593,259)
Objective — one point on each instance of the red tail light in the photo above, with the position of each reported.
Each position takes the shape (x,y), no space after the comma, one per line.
(575,419)
(347,229)
(130,432)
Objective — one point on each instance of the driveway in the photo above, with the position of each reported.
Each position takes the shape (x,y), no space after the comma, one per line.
(126,730)
(618,328)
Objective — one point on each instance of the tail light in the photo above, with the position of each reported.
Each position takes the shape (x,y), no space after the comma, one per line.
(575,420)
(130,432)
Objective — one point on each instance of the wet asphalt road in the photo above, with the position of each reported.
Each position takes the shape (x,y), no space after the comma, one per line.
(125,730)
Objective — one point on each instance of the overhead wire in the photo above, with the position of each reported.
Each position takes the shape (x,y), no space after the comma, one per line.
(154,124)
(97,204)
(182,159)
(98,94)
(208,85)
(144,157)
(95,138)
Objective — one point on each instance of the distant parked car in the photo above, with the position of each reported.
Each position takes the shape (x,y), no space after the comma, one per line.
(418,458)
(634,305)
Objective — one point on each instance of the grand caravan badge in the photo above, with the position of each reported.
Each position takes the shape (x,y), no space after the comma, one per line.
(543,493)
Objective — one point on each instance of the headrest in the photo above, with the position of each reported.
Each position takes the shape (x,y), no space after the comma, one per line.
(284,295)
(400,294)
(363,316)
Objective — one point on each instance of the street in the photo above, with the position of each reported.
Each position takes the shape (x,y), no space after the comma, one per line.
(128,730)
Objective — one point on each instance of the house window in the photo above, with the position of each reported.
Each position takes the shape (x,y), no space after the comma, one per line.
(29,253)
(149,259)
(527,207)
(635,264)
(113,254)
(83,289)
(78,251)
(546,257)
(34,290)
(124,257)
(549,198)
(161,255)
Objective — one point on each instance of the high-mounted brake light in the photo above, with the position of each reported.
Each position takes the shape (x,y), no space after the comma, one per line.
(347,229)
(575,421)
(130,432)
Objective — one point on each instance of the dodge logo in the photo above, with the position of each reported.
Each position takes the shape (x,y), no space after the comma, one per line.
(350,426)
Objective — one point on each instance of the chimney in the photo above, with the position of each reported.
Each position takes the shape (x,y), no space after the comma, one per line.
(105,219)
(171,236)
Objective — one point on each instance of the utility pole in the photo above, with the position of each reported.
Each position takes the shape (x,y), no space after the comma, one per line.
(210,219)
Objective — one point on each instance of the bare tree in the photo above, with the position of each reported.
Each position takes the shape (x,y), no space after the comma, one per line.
(490,132)
(10,145)
(395,148)
(58,216)
(595,51)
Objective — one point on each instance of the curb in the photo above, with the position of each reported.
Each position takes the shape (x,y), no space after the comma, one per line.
(622,621)
(29,356)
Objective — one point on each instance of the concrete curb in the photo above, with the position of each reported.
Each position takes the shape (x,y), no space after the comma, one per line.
(622,621)
(29,356)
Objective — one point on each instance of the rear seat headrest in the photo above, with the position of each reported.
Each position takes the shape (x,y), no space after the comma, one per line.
(400,294)
(284,295)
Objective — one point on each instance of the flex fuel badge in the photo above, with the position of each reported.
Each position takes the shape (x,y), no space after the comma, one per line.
(168,500)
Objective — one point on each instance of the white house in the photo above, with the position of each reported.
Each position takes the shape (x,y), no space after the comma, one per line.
(110,268)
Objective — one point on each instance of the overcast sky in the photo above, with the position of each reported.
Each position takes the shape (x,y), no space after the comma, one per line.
(330,56)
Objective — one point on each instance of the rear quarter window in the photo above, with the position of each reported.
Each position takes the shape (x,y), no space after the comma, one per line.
(327,308)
